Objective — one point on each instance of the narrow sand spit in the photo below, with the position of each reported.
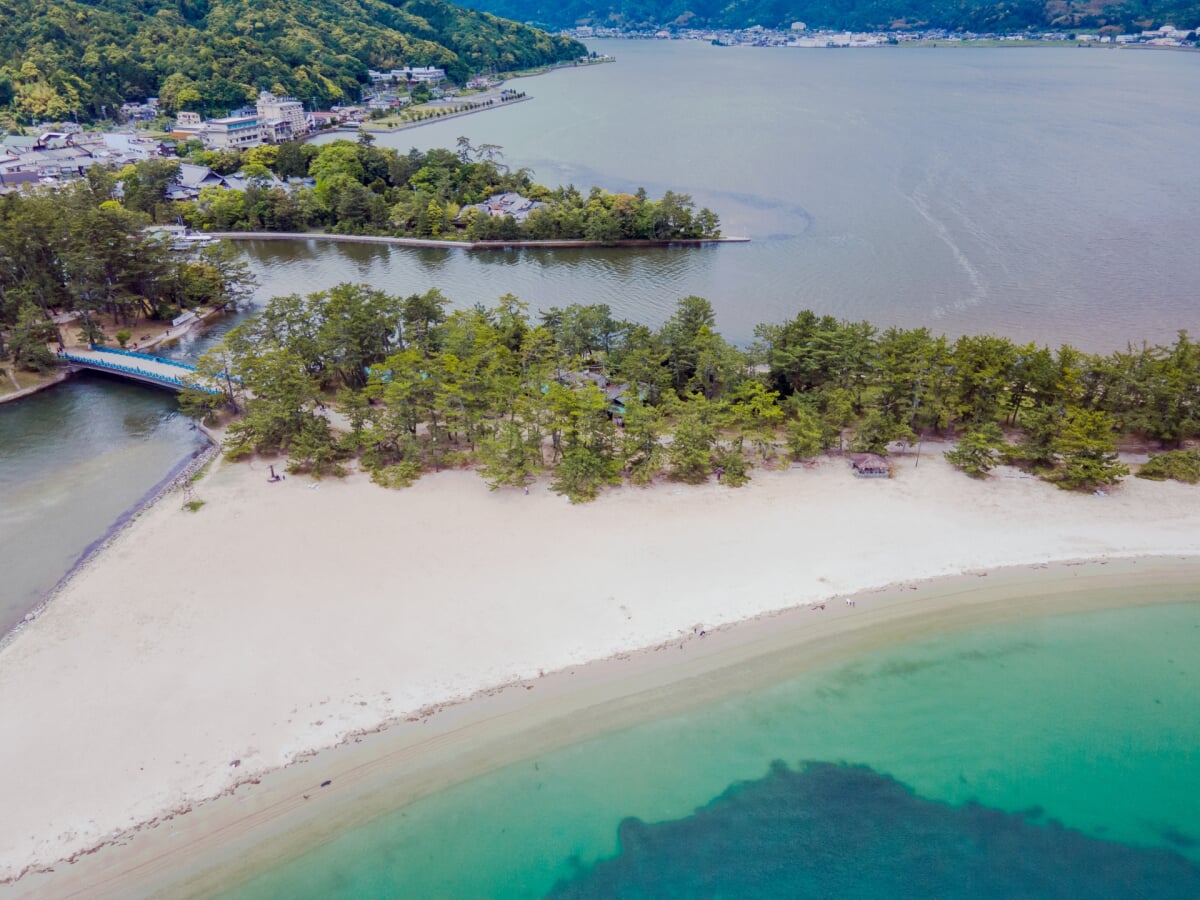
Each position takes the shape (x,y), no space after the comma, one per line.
(202,650)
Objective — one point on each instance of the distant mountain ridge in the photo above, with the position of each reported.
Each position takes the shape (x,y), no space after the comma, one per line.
(866,15)
(83,57)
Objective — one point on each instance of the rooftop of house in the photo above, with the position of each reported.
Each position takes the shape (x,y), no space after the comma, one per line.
(507,204)
(869,461)
(233,121)
(196,176)
(18,142)
(11,181)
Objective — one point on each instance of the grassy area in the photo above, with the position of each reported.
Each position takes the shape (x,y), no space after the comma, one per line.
(12,380)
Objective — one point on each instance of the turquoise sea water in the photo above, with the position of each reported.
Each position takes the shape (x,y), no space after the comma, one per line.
(1055,757)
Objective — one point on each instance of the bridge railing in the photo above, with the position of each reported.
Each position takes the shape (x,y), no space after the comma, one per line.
(158,378)
(136,355)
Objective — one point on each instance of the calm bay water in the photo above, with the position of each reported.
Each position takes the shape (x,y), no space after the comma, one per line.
(1041,194)
(1054,757)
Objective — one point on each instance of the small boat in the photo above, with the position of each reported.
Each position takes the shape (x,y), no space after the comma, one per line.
(185,242)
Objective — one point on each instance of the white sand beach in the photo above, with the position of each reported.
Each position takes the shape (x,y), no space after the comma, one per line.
(203,650)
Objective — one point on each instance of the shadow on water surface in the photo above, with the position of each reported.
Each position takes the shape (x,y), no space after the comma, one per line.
(830,830)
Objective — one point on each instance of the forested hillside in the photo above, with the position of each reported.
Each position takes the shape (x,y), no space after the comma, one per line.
(974,15)
(65,57)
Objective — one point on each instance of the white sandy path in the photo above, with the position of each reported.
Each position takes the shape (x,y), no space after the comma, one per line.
(280,617)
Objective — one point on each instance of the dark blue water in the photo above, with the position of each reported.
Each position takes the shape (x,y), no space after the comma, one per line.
(830,830)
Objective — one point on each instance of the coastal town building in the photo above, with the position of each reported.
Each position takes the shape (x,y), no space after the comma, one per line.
(15,181)
(275,131)
(800,36)
(287,110)
(272,121)
(410,74)
(188,125)
(192,179)
(324,119)
(500,205)
(63,154)
(140,112)
(616,393)
(231,132)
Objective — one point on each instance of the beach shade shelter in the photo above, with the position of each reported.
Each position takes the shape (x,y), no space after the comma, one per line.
(870,465)
(615,394)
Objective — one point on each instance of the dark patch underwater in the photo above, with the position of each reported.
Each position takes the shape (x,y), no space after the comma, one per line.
(847,831)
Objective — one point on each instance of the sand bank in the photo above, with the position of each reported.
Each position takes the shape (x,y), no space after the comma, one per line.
(205,649)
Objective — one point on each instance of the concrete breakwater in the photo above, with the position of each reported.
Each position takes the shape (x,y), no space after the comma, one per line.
(429,243)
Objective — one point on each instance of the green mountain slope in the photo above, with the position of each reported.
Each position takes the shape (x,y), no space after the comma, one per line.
(976,15)
(59,57)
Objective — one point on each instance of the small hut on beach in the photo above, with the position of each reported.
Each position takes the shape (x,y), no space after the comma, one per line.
(870,465)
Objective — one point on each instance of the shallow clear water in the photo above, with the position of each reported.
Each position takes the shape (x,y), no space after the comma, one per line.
(78,456)
(72,459)
(1076,736)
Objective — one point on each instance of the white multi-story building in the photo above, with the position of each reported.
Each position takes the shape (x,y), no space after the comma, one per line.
(231,132)
(277,119)
(274,109)
(419,74)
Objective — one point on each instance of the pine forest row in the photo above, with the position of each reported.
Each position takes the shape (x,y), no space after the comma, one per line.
(413,385)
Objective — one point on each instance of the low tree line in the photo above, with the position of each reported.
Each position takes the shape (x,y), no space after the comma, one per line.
(415,386)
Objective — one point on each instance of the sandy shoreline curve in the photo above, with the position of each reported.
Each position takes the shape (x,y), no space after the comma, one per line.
(202,651)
